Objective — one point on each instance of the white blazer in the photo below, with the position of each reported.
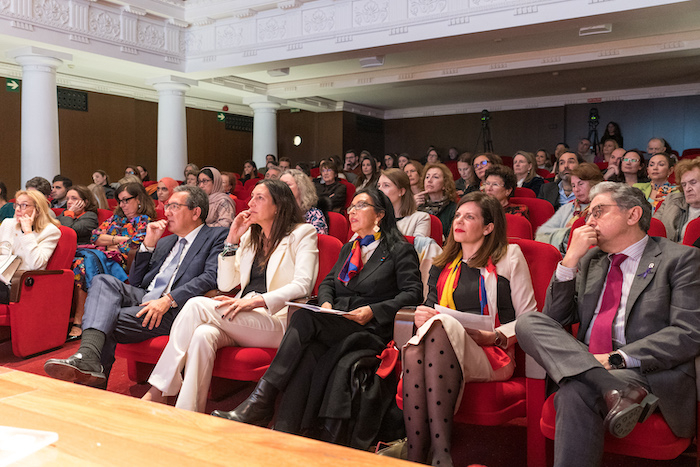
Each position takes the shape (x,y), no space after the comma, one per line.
(291,269)
(35,249)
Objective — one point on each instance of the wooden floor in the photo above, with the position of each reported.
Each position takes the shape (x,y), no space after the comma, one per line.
(99,427)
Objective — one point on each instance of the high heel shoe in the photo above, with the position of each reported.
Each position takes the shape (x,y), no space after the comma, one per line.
(258,409)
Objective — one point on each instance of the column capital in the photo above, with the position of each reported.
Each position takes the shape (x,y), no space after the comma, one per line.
(171,83)
(28,56)
(264,102)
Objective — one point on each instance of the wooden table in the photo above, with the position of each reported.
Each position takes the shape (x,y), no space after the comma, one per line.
(99,427)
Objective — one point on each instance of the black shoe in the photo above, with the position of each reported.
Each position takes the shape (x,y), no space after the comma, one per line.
(258,409)
(76,369)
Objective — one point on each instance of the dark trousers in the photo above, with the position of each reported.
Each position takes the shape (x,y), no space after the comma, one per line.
(580,408)
(111,307)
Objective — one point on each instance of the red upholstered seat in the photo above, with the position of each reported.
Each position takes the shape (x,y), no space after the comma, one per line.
(522,192)
(338,226)
(544,173)
(540,210)
(38,320)
(652,439)
(436,229)
(518,227)
(349,192)
(692,232)
(103,215)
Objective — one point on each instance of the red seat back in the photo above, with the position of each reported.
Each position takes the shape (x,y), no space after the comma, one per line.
(63,255)
(241,205)
(692,232)
(349,192)
(328,252)
(507,161)
(112,203)
(315,172)
(338,226)
(518,227)
(657,228)
(542,260)
(58,211)
(103,215)
(436,229)
(544,173)
(691,153)
(540,210)
(521,192)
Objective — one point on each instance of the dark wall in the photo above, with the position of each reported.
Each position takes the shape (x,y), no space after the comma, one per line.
(321,134)
(10,141)
(360,132)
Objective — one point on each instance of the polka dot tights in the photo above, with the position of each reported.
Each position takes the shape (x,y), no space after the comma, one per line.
(431,383)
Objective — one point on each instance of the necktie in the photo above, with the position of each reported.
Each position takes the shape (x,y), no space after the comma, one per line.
(601,333)
(163,278)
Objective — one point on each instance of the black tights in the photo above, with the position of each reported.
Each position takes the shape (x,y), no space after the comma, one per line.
(431,384)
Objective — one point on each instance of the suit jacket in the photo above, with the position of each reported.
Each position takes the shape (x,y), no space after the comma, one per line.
(291,270)
(388,282)
(197,273)
(662,327)
(550,192)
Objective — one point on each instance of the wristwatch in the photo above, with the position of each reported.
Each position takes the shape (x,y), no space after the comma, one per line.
(616,361)
(229,249)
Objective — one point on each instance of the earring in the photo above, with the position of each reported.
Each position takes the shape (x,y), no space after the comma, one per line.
(376,227)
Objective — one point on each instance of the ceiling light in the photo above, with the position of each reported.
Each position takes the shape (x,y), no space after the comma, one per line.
(369,62)
(278,72)
(599,29)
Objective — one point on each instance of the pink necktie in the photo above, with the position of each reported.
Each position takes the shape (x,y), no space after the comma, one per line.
(601,334)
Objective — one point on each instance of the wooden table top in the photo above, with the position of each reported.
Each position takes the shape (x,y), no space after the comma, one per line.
(100,427)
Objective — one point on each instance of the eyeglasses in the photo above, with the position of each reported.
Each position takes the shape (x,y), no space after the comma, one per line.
(495,185)
(481,164)
(360,205)
(629,159)
(598,211)
(23,206)
(174,206)
(126,200)
(203,181)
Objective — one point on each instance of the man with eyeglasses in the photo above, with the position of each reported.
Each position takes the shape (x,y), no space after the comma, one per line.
(678,209)
(560,192)
(166,272)
(635,299)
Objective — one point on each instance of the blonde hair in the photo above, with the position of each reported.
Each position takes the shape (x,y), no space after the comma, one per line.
(41,205)
(98,193)
(448,183)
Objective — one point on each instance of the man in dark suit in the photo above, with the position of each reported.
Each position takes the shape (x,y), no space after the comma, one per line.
(635,298)
(162,279)
(554,192)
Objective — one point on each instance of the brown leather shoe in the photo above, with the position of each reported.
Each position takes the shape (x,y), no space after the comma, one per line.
(627,407)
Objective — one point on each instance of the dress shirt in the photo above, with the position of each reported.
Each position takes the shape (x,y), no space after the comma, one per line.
(629,268)
(563,199)
(189,238)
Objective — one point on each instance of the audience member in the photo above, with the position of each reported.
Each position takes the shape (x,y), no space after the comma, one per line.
(273,173)
(143,173)
(306,197)
(7,209)
(678,209)
(584,151)
(59,189)
(660,167)
(482,162)
(191,168)
(390,161)
(468,180)
(607,149)
(396,186)
(557,229)
(525,169)
(128,179)
(32,233)
(119,313)
(543,160)
(559,192)
(631,169)
(452,154)
(270,158)
(228,182)
(101,179)
(41,185)
(98,194)
(613,132)
(438,195)
(374,277)
(80,213)
(560,149)
(250,170)
(285,163)
(432,156)
(352,162)
(329,187)
(222,209)
(304,167)
(614,163)
(191,178)
(443,355)
(414,171)
(273,256)
(636,344)
(403,160)
(166,185)
(133,170)
(369,173)
(500,183)
(657,145)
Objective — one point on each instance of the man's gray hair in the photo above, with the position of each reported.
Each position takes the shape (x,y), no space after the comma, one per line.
(626,197)
(196,198)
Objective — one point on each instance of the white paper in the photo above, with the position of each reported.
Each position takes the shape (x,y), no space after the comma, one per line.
(317,309)
(18,443)
(469,320)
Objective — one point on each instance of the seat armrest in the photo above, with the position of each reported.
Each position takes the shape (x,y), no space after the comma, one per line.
(21,278)
(404,327)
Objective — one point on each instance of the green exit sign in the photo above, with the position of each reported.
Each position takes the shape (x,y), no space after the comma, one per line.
(12,85)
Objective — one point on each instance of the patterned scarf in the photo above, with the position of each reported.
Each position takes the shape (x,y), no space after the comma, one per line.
(447,283)
(578,213)
(353,265)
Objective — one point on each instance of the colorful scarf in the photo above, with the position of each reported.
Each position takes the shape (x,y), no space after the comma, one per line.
(578,213)
(353,265)
(446,285)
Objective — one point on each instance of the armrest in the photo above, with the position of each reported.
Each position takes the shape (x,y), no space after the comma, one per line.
(25,278)
(404,327)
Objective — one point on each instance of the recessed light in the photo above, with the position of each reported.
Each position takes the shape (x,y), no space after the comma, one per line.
(297,140)
(599,29)
(369,62)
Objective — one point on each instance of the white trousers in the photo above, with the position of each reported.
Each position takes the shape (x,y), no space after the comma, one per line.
(196,334)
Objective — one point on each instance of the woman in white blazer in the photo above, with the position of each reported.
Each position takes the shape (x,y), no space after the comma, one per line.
(273,255)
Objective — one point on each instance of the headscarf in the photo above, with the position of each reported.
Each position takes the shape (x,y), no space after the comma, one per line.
(217,193)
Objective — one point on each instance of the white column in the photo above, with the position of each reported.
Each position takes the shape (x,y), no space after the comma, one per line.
(172,125)
(264,130)
(39,127)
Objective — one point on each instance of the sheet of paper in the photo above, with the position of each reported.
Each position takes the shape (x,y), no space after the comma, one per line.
(469,320)
(317,309)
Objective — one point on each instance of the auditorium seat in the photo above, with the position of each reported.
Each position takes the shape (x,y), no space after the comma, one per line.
(521,192)
(692,232)
(540,210)
(518,227)
(40,303)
